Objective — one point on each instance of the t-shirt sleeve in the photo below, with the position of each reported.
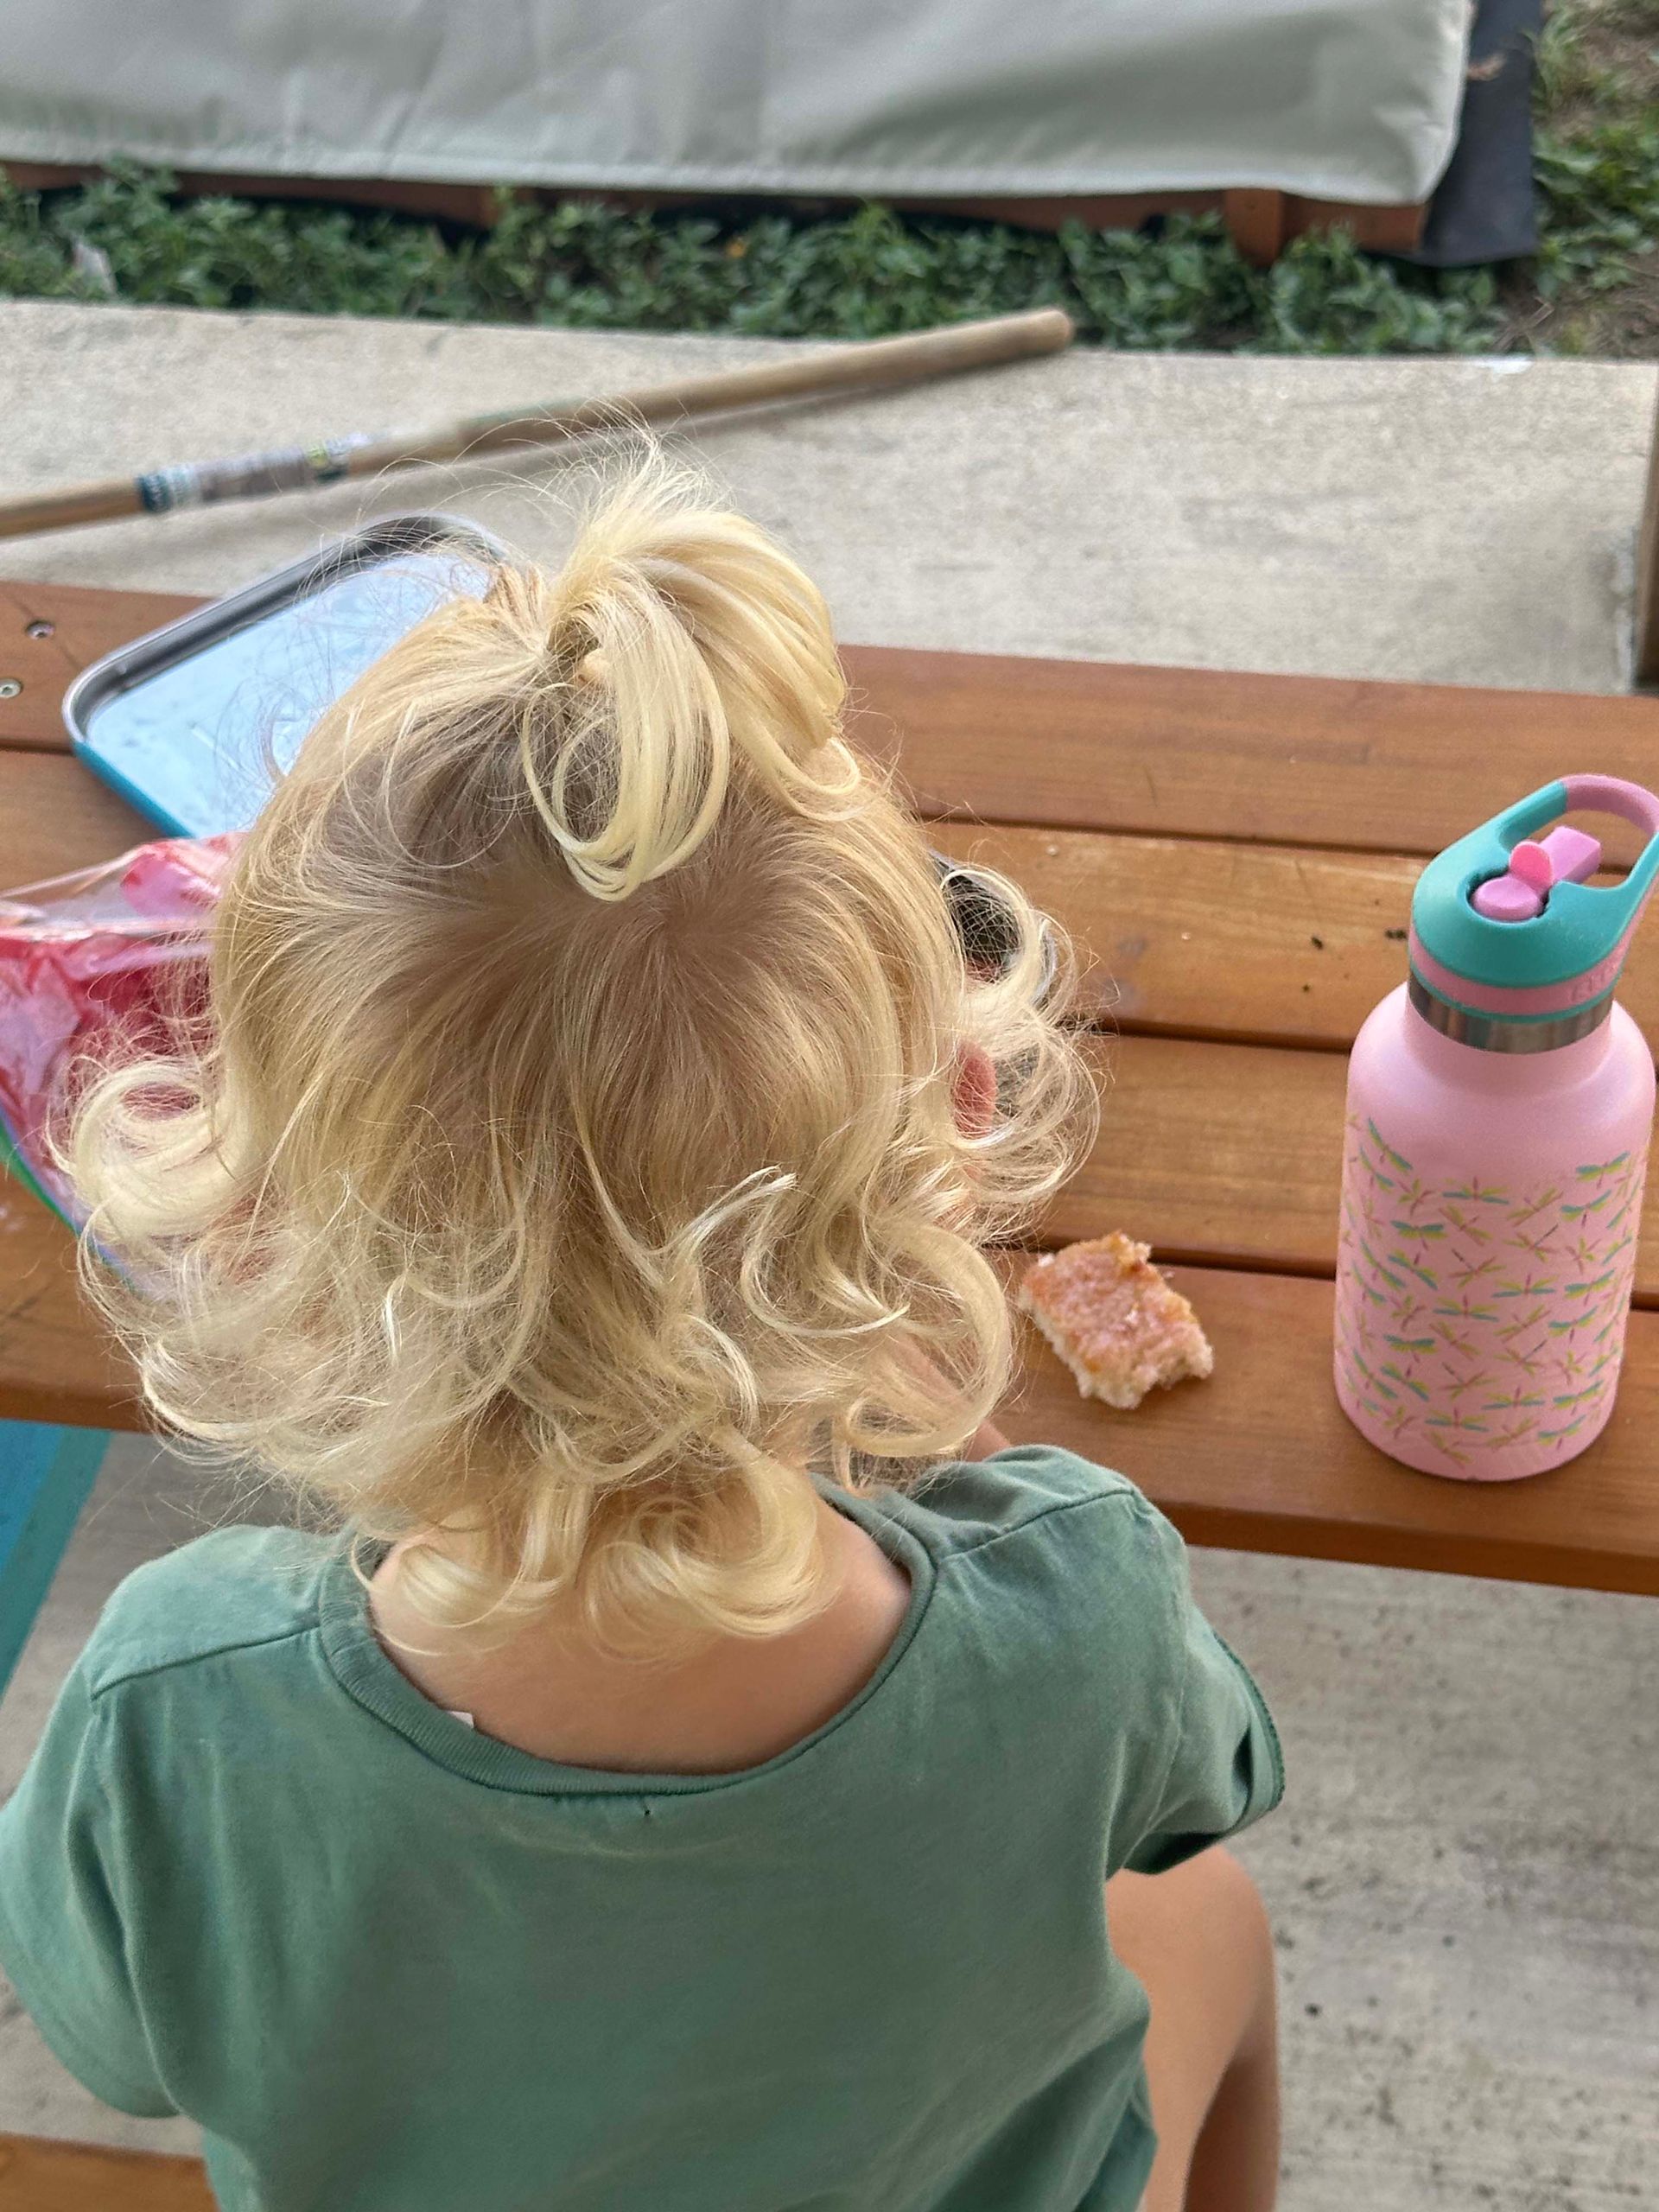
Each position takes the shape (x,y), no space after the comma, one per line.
(65,1918)
(1224,1767)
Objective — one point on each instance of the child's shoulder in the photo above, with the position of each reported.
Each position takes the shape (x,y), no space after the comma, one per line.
(1028,1490)
(226,1592)
(1036,1535)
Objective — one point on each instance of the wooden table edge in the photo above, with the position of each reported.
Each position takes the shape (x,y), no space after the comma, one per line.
(1487,1559)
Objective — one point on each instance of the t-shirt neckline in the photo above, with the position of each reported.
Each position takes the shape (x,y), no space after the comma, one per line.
(364,1670)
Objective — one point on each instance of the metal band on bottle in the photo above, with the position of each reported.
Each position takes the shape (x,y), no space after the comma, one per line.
(1492,1033)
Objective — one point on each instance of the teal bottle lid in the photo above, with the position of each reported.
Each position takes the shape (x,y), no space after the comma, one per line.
(1504,926)
(1574,930)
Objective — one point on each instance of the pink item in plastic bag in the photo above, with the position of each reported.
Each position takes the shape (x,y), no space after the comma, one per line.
(95,967)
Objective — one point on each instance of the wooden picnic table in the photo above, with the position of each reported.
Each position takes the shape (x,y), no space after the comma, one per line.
(1236,852)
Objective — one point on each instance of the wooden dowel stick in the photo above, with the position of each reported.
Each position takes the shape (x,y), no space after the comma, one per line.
(883,361)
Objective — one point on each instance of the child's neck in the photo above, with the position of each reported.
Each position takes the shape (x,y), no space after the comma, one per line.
(730,1704)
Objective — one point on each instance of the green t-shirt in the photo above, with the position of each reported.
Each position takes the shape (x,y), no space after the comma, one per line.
(391,1964)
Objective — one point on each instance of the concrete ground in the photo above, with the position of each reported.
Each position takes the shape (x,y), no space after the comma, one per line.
(1465,1875)
(1468,522)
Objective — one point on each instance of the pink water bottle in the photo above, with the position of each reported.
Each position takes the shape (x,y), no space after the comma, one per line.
(1499,1108)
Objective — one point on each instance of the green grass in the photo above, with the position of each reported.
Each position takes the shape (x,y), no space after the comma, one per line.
(1595,284)
(872,272)
(1597,55)
(1564,68)
(1602,189)
(861,275)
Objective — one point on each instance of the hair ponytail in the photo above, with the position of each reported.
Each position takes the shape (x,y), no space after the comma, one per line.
(684,651)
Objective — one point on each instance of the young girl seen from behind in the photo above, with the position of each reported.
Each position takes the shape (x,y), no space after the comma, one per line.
(689,1783)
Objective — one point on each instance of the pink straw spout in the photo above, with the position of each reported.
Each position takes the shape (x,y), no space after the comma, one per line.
(1567,856)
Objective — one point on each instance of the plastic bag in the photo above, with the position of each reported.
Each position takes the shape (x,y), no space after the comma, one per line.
(95,967)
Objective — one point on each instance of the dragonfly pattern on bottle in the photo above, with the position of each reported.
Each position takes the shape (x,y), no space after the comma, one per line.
(1475,1319)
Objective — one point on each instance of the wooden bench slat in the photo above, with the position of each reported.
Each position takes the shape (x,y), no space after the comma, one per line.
(56,1362)
(1215,1153)
(1258,944)
(1095,745)
(1247,943)
(1261,1457)
(1228,1153)
(55,815)
(39,2175)
(1219,1154)
(1183,937)
(85,624)
(1374,767)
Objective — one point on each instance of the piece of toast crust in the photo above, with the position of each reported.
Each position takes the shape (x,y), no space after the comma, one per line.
(1114,1319)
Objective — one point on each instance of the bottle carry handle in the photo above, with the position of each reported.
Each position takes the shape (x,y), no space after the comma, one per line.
(1631,803)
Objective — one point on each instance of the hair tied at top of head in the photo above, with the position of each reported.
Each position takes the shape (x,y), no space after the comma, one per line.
(707,663)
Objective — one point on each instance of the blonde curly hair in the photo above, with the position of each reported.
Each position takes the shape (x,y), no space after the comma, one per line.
(573,1153)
